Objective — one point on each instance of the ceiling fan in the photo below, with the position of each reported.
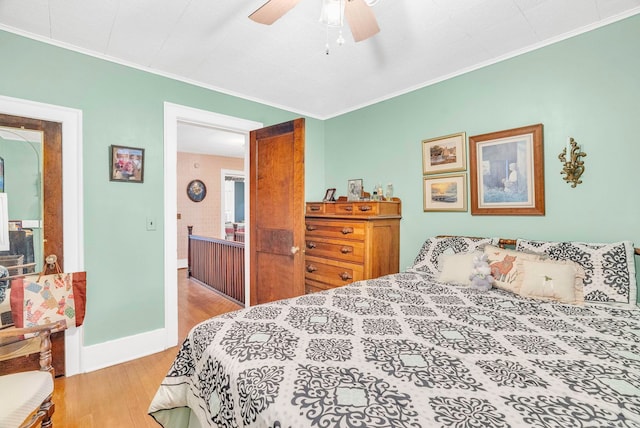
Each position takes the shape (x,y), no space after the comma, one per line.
(359,15)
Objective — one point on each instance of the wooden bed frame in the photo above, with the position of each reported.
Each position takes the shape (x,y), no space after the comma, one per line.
(512,243)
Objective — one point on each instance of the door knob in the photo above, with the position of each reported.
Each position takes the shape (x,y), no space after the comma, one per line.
(294,250)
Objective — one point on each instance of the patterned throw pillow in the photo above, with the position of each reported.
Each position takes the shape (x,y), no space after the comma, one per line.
(555,280)
(609,268)
(506,266)
(428,259)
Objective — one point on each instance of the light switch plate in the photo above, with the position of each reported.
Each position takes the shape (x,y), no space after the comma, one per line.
(151,223)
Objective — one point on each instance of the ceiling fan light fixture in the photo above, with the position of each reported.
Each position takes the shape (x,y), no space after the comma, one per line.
(332,13)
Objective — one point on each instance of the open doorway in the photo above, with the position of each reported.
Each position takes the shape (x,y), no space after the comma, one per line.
(174,115)
(233,204)
(204,154)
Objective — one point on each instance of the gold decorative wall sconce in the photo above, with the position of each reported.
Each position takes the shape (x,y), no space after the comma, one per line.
(572,167)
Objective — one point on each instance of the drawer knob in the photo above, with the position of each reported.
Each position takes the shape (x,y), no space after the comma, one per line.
(311,227)
(345,276)
(314,208)
(311,245)
(311,268)
(346,250)
(348,208)
(365,208)
(347,230)
(295,250)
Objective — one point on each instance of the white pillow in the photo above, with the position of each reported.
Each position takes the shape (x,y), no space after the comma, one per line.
(559,281)
(428,259)
(456,268)
(610,274)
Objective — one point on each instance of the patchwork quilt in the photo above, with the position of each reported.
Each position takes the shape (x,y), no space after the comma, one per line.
(406,351)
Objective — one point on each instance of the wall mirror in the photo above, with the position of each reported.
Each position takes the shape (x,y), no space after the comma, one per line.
(31,152)
(21,216)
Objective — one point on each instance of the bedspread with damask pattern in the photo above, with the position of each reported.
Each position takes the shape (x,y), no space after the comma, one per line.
(406,351)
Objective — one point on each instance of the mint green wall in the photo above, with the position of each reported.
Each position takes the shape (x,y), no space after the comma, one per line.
(586,87)
(124,106)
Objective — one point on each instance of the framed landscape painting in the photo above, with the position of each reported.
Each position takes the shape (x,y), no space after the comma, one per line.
(445,193)
(507,172)
(444,154)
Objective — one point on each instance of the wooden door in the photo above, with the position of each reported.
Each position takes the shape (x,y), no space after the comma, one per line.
(276,175)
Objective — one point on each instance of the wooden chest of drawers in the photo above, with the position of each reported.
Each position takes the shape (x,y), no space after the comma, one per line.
(350,241)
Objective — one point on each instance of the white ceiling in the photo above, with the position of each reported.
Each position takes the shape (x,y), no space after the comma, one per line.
(194,138)
(213,44)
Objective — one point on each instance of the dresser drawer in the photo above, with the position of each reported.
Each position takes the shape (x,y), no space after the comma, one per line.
(356,208)
(335,229)
(348,251)
(331,273)
(320,208)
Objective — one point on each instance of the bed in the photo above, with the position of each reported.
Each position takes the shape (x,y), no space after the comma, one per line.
(412,350)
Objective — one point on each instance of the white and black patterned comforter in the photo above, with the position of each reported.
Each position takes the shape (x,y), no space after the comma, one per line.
(404,351)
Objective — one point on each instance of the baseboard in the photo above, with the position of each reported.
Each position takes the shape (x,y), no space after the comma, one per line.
(183,263)
(118,351)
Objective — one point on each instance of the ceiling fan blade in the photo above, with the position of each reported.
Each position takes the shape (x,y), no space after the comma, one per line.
(361,19)
(272,10)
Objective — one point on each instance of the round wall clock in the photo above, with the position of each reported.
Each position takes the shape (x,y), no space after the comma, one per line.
(196,190)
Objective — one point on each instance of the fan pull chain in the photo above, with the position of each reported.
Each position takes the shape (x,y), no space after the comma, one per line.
(327,42)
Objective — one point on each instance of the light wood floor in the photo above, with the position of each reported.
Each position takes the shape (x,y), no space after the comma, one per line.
(119,396)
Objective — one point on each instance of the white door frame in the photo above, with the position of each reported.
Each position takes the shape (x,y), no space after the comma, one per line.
(72,199)
(172,114)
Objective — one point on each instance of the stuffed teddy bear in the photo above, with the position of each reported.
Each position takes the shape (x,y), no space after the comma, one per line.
(481,278)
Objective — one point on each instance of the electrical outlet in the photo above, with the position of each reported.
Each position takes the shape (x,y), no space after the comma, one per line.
(151,223)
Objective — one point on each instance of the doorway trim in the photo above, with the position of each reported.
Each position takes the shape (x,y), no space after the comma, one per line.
(72,199)
(173,113)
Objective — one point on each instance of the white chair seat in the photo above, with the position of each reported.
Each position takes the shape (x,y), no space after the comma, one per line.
(28,391)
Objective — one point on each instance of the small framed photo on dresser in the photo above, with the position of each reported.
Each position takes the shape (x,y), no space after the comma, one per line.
(354,189)
(329,196)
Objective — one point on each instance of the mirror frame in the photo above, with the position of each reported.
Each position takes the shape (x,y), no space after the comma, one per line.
(52,225)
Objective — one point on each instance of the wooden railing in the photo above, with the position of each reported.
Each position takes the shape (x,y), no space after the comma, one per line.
(218,264)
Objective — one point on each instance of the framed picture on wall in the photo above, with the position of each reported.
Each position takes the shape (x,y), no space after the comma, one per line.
(444,154)
(507,172)
(445,193)
(196,190)
(126,164)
